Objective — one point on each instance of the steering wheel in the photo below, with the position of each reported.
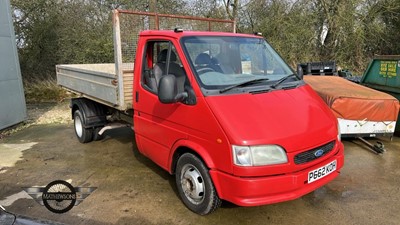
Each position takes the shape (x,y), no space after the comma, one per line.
(205,70)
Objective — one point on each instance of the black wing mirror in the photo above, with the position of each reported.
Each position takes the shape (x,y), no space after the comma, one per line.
(167,90)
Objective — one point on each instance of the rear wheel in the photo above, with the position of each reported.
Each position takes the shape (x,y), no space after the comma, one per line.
(83,134)
(195,186)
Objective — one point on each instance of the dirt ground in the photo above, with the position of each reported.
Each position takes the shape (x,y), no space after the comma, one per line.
(133,190)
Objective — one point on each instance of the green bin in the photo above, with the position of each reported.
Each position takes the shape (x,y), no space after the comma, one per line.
(383,74)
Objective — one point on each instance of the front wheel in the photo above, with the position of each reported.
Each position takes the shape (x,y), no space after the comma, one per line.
(195,186)
(83,134)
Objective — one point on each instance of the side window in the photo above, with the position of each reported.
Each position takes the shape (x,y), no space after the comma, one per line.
(160,59)
(150,59)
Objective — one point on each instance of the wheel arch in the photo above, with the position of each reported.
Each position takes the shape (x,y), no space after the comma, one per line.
(94,114)
(184,146)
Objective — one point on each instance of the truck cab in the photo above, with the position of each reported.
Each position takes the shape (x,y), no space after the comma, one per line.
(232,121)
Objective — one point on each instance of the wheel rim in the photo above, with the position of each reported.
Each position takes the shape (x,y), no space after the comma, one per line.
(192,184)
(78,126)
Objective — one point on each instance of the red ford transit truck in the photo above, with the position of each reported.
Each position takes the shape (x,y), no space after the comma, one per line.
(220,111)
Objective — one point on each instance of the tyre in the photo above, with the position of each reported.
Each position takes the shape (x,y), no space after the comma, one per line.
(96,135)
(83,134)
(195,186)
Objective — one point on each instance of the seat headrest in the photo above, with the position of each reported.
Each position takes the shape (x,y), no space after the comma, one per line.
(202,58)
(162,57)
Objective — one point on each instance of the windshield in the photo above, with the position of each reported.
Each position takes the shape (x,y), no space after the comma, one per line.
(228,63)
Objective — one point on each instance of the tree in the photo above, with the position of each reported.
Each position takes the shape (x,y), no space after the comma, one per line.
(206,8)
(382,27)
(51,32)
(287,25)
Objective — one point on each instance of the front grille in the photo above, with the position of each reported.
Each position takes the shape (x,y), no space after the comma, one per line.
(310,154)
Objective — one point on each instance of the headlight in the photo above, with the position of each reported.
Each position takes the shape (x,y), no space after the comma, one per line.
(258,155)
(339,136)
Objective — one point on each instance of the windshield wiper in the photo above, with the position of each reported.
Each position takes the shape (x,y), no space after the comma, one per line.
(249,82)
(280,81)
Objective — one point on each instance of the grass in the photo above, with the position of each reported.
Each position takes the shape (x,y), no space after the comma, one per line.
(43,90)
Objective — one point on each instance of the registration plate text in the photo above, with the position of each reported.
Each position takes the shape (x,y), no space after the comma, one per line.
(321,172)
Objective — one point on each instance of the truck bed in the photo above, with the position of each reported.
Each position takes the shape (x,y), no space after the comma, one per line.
(99,82)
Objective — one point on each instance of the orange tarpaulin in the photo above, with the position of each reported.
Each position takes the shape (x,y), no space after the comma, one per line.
(352,101)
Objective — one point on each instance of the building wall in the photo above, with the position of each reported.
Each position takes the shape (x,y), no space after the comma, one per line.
(12,99)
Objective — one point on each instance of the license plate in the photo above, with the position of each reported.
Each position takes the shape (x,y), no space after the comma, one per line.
(321,172)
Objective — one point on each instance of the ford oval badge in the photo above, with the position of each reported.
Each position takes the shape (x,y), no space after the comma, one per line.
(319,153)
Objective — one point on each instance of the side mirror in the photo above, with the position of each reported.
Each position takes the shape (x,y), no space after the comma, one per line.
(167,90)
(300,72)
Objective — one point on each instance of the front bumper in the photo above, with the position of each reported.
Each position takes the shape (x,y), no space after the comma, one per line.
(272,189)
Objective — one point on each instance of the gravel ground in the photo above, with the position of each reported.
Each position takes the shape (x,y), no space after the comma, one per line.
(49,113)
(42,113)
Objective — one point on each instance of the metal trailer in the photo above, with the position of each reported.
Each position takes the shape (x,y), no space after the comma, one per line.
(12,100)
(343,97)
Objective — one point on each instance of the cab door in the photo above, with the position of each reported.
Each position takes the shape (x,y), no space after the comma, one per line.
(158,126)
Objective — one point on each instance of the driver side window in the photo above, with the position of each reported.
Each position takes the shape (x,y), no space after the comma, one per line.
(161,59)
